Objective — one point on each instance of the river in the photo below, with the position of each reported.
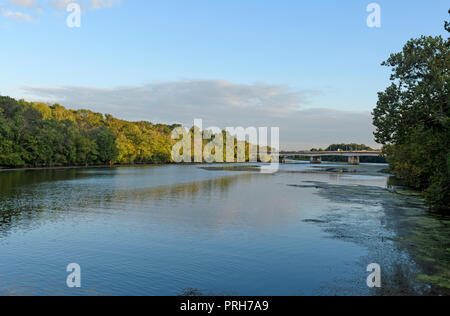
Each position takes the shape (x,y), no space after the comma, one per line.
(184,229)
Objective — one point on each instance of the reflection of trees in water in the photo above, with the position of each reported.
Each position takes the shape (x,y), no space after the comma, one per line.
(207,205)
(30,198)
(18,205)
(17,179)
(184,192)
(236,201)
(224,201)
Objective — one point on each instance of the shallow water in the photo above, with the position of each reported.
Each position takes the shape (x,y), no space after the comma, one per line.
(161,230)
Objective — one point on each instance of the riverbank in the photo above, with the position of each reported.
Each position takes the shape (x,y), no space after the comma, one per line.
(75,167)
(96,166)
(116,166)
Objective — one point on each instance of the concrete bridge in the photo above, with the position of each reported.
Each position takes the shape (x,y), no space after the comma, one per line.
(316,156)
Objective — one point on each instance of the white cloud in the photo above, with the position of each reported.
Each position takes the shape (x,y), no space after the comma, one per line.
(16,15)
(24,3)
(60,4)
(223,104)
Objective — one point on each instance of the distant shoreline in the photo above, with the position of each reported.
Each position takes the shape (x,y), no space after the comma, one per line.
(80,167)
(4,169)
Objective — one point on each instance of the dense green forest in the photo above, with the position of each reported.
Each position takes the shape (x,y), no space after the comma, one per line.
(35,134)
(412,117)
(38,135)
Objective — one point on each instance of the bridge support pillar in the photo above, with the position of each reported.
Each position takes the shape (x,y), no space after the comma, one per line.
(316,160)
(353,160)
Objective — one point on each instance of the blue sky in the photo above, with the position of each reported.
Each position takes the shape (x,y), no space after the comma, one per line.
(307,55)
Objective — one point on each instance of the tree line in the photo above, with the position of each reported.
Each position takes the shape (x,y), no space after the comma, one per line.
(38,135)
(34,134)
(412,117)
(345,147)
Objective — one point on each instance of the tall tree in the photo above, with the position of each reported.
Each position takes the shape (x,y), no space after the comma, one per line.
(107,150)
(412,117)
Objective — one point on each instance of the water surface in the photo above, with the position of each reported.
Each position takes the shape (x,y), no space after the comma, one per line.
(162,230)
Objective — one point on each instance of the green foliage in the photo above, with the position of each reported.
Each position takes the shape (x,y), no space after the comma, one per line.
(35,134)
(348,147)
(412,117)
(38,135)
(105,139)
(344,147)
(352,147)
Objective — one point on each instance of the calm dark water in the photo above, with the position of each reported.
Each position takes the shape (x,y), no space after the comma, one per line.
(164,229)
